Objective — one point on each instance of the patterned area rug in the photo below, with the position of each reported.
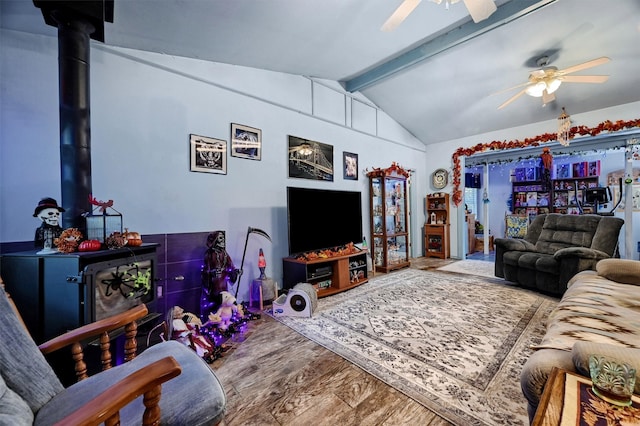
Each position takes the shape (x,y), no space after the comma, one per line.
(481,268)
(454,343)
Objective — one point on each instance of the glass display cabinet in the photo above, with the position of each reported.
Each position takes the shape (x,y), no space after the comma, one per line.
(388,206)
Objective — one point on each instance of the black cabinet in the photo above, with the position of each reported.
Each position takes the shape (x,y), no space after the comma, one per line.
(59,292)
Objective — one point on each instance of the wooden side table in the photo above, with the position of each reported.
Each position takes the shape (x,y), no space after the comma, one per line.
(568,397)
(261,290)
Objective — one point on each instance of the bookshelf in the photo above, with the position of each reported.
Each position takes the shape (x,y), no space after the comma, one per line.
(531,196)
(436,230)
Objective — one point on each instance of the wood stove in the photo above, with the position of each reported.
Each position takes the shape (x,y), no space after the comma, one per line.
(59,292)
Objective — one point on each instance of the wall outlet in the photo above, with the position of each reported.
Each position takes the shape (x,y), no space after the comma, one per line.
(159,292)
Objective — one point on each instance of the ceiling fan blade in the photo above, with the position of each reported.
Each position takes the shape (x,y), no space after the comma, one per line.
(400,14)
(584,66)
(480,9)
(583,78)
(547,97)
(513,98)
(510,88)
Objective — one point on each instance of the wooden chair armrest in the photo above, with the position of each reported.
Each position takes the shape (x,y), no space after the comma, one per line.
(94,329)
(145,381)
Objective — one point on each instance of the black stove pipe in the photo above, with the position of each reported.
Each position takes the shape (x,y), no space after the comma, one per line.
(75,117)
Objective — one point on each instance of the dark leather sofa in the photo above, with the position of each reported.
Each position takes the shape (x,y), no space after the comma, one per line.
(555,248)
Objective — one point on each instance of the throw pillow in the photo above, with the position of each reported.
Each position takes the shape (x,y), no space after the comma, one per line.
(620,270)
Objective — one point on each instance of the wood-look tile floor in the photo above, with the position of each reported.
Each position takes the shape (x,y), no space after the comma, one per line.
(274,376)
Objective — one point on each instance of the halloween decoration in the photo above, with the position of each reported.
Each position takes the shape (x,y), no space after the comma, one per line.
(49,213)
(90,245)
(605,126)
(547,164)
(250,230)
(115,241)
(217,272)
(133,238)
(103,220)
(227,310)
(184,327)
(68,240)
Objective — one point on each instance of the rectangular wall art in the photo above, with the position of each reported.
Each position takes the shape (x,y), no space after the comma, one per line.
(310,160)
(350,165)
(208,155)
(246,142)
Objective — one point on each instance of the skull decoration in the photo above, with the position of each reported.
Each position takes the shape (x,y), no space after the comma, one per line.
(48,212)
(50,216)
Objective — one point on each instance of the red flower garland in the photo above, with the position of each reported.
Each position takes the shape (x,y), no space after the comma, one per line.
(608,126)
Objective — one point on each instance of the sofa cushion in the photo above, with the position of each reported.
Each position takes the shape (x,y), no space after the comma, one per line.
(620,270)
(562,231)
(594,309)
(582,350)
(13,410)
(547,263)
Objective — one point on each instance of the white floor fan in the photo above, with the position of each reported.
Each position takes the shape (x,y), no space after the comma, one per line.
(478,9)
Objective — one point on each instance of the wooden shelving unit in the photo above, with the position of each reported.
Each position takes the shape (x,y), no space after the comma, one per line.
(329,275)
(436,230)
(567,193)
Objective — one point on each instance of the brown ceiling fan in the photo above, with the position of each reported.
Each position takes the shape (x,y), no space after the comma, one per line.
(478,9)
(544,81)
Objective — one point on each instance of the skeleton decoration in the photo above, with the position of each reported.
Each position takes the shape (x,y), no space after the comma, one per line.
(49,213)
(217,272)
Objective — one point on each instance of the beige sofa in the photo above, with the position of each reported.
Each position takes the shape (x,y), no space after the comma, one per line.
(599,313)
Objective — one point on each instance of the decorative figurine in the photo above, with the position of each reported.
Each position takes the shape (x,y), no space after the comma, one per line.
(227,310)
(69,240)
(547,164)
(49,213)
(217,272)
(185,328)
(262,264)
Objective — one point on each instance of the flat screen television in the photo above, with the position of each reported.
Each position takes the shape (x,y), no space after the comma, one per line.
(321,218)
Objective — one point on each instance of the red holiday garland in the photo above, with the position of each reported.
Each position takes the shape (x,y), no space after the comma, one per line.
(608,126)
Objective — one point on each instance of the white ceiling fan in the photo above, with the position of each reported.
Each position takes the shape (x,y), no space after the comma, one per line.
(544,81)
(478,9)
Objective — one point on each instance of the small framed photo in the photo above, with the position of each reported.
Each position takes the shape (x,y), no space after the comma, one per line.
(208,155)
(246,142)
(350,165)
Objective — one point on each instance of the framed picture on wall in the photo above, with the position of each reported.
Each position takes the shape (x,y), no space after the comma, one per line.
(208,155)
(350,165)
(310,159)
(246,142)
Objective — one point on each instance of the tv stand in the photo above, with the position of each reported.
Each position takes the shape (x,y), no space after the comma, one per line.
(328,275)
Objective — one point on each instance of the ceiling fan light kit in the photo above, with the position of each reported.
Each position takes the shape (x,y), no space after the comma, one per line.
(545,81)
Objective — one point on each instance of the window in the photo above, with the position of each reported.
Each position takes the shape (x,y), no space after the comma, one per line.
(471,200)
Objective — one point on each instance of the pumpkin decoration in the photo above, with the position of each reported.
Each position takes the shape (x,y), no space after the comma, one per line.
(133,238)
(90,245)
(68,241)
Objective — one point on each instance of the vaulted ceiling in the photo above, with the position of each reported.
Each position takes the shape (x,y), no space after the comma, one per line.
(438,74)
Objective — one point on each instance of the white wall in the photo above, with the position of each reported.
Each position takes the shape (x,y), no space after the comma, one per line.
(143,108)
